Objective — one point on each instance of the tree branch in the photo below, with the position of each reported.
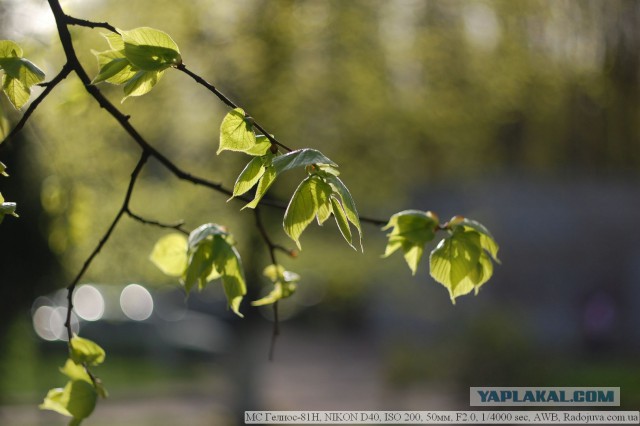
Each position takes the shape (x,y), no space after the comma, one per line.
(70,20)
(182,67)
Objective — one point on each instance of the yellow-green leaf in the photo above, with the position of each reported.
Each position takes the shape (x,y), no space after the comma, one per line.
(236,132)
(169,254)
(302,208)
(85,351)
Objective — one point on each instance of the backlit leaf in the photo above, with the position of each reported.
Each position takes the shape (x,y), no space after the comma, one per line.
(169,254)
(262,146)
(454,262)
(302,208)
(347,202)
(84,351)
(236,132)
(284,284)
(228,264)
(141,83)
(412,229)
(265,182)
(249,176)
(341,220)
(149,49)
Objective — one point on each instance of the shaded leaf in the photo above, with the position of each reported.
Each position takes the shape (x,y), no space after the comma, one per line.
(284,284)
(300,158)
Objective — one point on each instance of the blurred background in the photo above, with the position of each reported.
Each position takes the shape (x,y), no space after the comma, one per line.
(522,115)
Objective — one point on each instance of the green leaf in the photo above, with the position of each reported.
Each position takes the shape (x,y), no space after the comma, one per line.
(19,74)
(114,68)
(302,208)
(17,93)
(141,83)
(412,229)
(228,264)
(249,176)
(84,351)
(262,146)
(115,40)
(10,49)
(169,254)
(284,284)
(204,231)
(200,266)
(77,399)
(75,371)
(149,49)
(486,239)
(264,184)
(300,158)
(456,260)
(347,202)
(341,220)
(324,202)
(236,132)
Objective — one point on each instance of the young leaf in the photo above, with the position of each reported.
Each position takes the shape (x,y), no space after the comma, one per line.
(141,83)
(77,399)
(84,351)
(204,231)
(249,176)
(236,132)
(284,284)
(114,67)
(262,146)
(300,158)
(169,254)
(302,208)
(149,49)
(3,169)
(19,73)
(456,263)
(75,371)
(412,229)
(200,266)
(347,202)
(341,220)
(486,239)
(324,202)
(228,264)
(265,182)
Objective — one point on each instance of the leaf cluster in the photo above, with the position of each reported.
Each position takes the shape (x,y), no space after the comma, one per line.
(137,59)
(20,74)
(461,262)
(206,255)
(77,399)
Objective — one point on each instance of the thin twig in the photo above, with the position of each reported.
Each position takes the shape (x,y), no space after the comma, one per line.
(177,226)
(182,67)
(125,205)
(70,20)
